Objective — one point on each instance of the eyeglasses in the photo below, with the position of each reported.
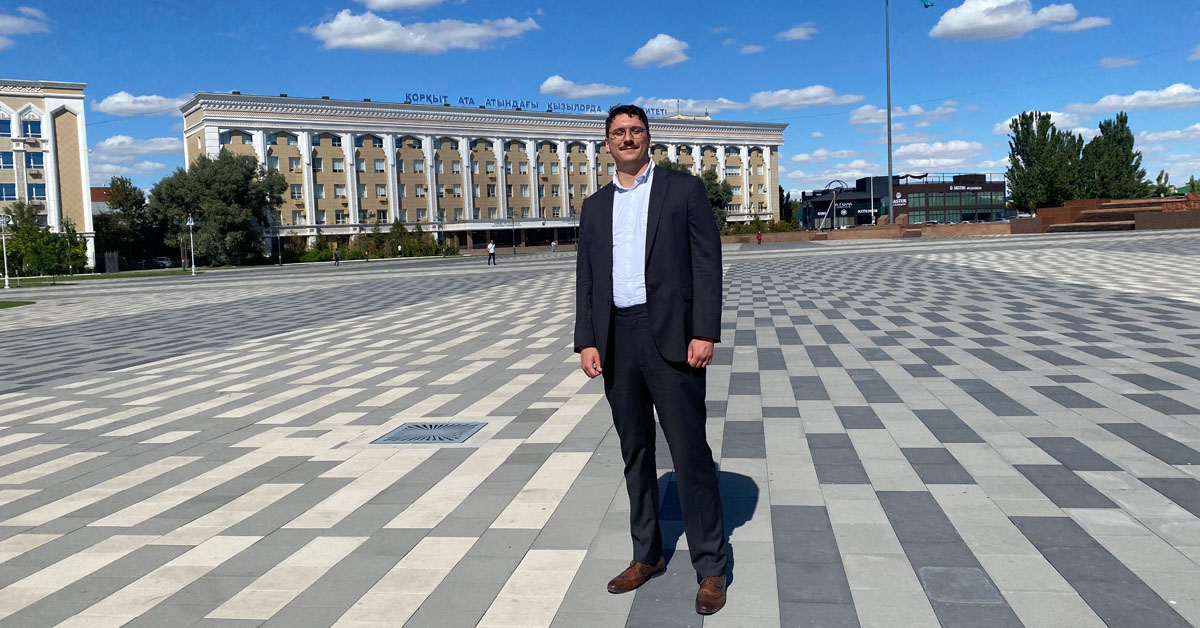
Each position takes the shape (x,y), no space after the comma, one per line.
(636,132)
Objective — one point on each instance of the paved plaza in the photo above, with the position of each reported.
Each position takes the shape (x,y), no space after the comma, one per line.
(983,432)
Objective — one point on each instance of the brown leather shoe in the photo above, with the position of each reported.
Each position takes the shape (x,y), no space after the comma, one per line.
(711,596)
(635,575)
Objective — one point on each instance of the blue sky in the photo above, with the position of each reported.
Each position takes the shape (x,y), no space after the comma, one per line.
(960,69)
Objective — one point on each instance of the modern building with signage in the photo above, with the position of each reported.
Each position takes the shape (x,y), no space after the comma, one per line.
(473,169)
(942,198)
(43,154)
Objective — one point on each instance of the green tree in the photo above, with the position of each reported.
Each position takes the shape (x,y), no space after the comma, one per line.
(35,250)
(719,195)
(128,227)
(231,199)
(1044,163)
(1162,184)
(1193,185)
(1110,167)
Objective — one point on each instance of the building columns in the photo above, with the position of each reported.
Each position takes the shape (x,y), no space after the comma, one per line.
(310,203)
(464,152)
(431,201)
(536,204)
(259,141)
(498,149)
(720,163)
(591,157)
(772,189)
(697,160)
(393,180)
(351,162)
(744,155)
(673,152)
(563,181)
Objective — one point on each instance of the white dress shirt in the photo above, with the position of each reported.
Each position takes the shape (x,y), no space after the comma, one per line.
(630,209)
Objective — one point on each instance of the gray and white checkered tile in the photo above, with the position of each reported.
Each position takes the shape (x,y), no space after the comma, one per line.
(990,432)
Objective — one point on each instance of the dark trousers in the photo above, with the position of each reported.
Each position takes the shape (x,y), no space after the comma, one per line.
(638,382)
(491,258)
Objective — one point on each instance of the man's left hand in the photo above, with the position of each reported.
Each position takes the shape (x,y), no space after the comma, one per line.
(700,353)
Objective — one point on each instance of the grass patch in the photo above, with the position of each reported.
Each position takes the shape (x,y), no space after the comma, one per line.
(8,304)
(34,282)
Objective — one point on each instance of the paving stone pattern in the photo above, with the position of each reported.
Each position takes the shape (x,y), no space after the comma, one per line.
(983,432)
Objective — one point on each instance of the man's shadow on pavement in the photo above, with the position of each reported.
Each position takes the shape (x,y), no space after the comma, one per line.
(739,499)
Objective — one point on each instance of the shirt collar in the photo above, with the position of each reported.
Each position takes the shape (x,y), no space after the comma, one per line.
(642,178)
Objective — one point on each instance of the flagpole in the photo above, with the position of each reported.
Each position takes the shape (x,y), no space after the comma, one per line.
(887,38)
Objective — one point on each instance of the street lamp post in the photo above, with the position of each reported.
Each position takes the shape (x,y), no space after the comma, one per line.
(192,243)
(4,220)
(887,39)
(513,217)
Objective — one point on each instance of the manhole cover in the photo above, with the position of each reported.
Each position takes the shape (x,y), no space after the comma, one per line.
(431,433)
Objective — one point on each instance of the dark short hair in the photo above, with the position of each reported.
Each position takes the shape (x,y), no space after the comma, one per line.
(626,110)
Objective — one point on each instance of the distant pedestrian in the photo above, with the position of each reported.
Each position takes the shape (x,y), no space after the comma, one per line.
(759,236)
(399,250)
(366,255)
(337,259)
(553,245)
(491,252)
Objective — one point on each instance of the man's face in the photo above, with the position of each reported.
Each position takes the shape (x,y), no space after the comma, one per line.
(628,140)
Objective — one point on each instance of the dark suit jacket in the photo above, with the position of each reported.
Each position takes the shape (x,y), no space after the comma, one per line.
(683,267)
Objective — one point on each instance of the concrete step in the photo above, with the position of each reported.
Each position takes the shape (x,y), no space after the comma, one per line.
(1083,227)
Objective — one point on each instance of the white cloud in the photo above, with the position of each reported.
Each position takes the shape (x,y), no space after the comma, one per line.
(27,21)
(1062,121)
(559,86)
(803,31)
(1113,63)
(717,30)
(870,114)
(1008,19)
(1195,56)
(729,41)
(821,155)
(811,96)
(689,106)
(1177,96)
(1191,133)
(661,51)
(908,138)
(992,164)
(371,32)
(125,149)
(816,135)
(750,49)
(1086,23)
(395,5)
(125,104)
(847,172)
(102,173)
(934,155)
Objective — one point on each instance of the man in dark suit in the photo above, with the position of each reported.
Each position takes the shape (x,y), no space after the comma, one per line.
(648,310)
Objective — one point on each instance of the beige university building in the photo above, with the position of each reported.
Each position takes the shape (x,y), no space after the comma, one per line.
(43,153)
(465,171)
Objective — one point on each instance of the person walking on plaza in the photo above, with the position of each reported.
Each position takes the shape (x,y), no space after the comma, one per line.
(491,252)
(337,259)
(399,250)
(648,311)
(759,236)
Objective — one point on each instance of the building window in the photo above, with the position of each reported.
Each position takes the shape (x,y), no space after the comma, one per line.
(583,189)
(5,127)
(31,128)
(381,190)
(523,167)
(441,190)
(297,216)
(491,213)
(453,144)
(358,141)
(953,199)
(733,171)
(937,199)
(508,167)
(341,217)
(758,169)
(400,166)
(272,163)
(292,140)
(400,190)
(915,217)
(524,212)
(362,190)
(420,191)
(612,169)
(416,142)
(553,168)
(524,190)
(555,212)
(422,214)
(541,168)
(339,164)
(917,199)
(458,213)
(381,215)
(475,190)
(554,190)
(455,167)
(402,215)
(474,167)
(319,190)
(457,190)
(582,168)
(736,190)
(34,160)
(379,167)
(339,190)
(335,140)
(437,166)
(762,188)
(297,191)
(6,160)
(37,191)
(418,166)
(360,164)
(320,216)
(8,191)
(490,167)
(294,164)
(317,164)
(508,190)
(541,191)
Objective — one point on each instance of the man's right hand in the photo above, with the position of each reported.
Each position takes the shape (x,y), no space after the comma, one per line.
(589,361)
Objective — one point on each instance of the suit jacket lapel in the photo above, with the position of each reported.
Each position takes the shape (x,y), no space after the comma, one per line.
(605,238)
(658,192)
